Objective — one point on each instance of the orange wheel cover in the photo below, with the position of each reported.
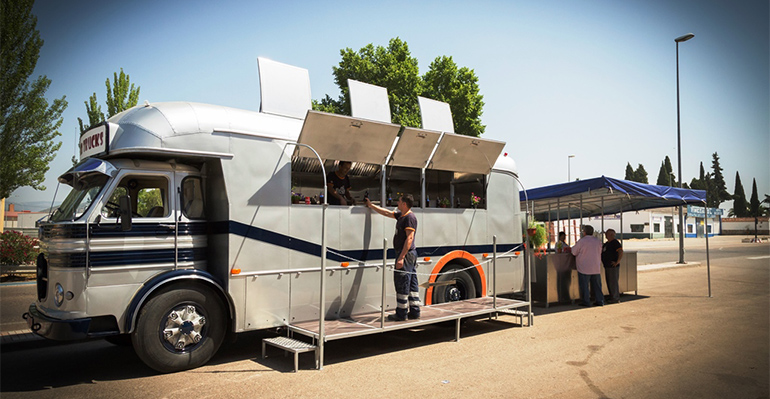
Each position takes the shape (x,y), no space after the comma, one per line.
(458,254)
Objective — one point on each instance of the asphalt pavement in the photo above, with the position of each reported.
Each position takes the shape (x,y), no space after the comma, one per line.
(671,340)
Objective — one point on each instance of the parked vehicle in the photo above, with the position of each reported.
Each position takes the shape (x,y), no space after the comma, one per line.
(180,227)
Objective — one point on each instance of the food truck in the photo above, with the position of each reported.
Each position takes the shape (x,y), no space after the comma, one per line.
(187,222)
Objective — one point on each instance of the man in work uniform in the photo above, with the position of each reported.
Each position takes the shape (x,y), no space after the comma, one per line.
(612,253)
(404,277)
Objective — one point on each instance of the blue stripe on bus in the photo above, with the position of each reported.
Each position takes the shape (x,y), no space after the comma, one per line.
(123,258)
(310,248)
(113,231)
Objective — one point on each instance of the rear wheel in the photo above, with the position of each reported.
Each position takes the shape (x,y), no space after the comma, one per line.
(180,329)
(463,287)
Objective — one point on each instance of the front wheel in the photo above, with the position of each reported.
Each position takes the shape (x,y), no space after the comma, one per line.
(179,329)
(463,287)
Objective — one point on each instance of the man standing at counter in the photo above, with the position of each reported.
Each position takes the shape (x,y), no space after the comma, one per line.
(588,259)
(612,253)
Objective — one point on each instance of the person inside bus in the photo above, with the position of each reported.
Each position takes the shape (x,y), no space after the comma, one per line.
(561,245)
(338,183)
(405,275)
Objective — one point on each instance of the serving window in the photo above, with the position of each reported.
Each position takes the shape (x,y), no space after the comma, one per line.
(307,182)
(446,189)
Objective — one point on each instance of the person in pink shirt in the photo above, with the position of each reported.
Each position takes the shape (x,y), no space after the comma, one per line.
(588,259)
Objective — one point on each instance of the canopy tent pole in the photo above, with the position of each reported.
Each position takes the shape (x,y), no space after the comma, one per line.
(550,235)
(569,225)
(602,219)
(581,212)
(706,230)
(621,220)
(558,217)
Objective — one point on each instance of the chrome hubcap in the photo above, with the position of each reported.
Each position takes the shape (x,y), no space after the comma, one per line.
(183,327)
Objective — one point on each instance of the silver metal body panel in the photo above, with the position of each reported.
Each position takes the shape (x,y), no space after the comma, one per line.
(475,155)
(367,141)
(414,148)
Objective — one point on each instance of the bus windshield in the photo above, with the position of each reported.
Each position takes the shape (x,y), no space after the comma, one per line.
(84,191)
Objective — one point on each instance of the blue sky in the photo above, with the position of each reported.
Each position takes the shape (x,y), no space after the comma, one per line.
(596,79)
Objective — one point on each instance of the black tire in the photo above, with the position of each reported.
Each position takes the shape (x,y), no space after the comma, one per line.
(462,289)
(179,329)
(119,340)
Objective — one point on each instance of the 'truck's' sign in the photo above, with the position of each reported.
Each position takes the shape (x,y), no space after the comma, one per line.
(95,141)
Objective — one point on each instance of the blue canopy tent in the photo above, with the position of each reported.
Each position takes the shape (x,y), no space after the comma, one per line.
(606,196)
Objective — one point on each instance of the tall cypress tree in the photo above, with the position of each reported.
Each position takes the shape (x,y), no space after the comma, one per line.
(629,172)
(740,206)
(718,182)
(755,210)
(663,177)
(640,175)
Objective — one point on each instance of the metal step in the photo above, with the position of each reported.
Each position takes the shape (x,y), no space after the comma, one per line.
(290,345)
(521,314)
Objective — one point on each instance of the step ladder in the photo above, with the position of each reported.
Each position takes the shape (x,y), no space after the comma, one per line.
(290,345)
(516,313)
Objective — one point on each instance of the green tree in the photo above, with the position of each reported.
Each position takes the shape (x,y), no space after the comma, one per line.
(94,112)
(28,124)
(459,88)
(701,182)
(740,206)
(629,172)
(640,175)
(718,182)
(395,69)
(121,95)
(755,207)
(664,179)
(666,176)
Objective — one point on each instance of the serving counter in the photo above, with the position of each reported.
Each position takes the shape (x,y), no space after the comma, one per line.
(556,279)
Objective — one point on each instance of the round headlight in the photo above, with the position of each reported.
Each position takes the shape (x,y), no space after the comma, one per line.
(58,295)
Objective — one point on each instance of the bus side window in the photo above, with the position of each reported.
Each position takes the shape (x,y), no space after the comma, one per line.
(307,180)
(402,180)
(111,208)
(192,198)
(149,196)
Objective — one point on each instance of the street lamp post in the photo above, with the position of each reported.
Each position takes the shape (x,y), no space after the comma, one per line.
(679,144)
(568,167)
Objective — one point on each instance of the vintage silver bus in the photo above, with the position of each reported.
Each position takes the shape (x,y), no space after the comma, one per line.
(188,221)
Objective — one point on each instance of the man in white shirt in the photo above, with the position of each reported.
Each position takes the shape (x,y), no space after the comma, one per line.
(588,259)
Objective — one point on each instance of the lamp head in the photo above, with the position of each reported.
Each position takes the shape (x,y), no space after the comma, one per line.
(684,38)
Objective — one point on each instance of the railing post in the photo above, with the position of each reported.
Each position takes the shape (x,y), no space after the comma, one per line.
(384,263)
(494,272)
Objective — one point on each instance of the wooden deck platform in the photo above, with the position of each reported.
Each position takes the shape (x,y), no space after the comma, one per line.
(371,323)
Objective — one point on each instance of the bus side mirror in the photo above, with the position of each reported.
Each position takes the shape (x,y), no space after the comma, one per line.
(125,213)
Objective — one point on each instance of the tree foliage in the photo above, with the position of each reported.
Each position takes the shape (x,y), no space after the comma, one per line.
(121,95)
(740,206)
(718,182)
(460,89)
(639,175)
(394,68)
(28,124)
(755,208)
(666,176)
